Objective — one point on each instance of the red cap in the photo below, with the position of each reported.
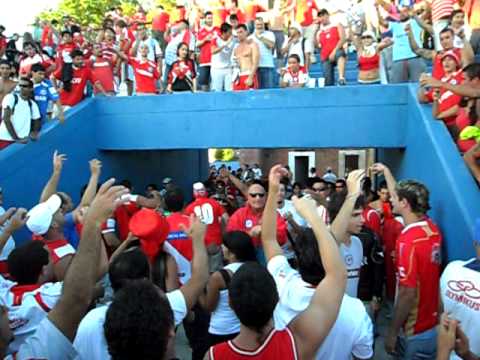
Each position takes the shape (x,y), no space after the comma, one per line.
(453,55)
(151,228)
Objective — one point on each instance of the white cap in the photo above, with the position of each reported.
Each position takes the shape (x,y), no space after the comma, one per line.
(297,27)
(198,186)
(40,216)
(369,33)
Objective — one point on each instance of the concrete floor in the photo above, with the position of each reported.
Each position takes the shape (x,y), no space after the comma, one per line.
(184,353)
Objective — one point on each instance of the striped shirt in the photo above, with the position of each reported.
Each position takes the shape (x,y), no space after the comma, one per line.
(442,9)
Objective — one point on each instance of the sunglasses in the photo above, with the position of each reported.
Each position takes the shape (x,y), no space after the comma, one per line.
(319,190)
(254,195)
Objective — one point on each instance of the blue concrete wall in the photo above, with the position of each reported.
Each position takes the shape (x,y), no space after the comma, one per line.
(431,157)
(322,118)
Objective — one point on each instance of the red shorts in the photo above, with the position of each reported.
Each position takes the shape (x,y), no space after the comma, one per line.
(5,143)
(240,83)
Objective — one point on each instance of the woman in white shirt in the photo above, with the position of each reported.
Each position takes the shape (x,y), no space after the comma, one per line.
(224,325)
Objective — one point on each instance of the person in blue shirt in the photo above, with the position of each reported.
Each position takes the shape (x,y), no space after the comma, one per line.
(44,92)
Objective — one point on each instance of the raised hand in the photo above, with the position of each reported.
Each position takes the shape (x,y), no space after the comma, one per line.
(305,206)
(58,160)
(17,219)
(108,198)
(354,181)
(277,172)
(196,230)
(378,168)
(95,166)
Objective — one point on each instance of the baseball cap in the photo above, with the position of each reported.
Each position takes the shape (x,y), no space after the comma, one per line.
(151,228)
(369,33)
(453,55)
(40,216)
(167,180)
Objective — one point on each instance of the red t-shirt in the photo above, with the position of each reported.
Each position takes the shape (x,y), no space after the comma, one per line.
(418,257)
(146,75)
(64,48)
(122,216)
(3,43)
(206,49)
(211,213)
(244,219)
(102,71)
(177,237)
(372,220)
(449,99)
(79,81)
(328,38)
(47,37)
(279,344)
(160,21)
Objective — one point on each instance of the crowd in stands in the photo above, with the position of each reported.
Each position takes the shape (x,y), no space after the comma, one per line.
(254,267)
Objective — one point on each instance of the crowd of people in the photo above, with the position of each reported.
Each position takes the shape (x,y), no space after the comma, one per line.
(254,266)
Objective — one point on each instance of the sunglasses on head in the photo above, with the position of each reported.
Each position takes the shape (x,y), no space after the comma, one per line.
(260,195)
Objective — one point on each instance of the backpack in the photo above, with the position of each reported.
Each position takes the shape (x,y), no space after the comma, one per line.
(371,273)
(15,102)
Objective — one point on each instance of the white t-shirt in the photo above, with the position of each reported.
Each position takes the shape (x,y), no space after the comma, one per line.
(289,208)
(90,341)
(291,78)
(154,50)
(266,54)
(222,59)
(352,332)
(298,48)
(323,213)
(46,343)
(27,309)
(21,119)
(353,258)
(460,291)
(9,245)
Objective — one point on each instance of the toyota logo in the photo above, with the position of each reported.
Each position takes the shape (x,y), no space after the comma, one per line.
(465,286)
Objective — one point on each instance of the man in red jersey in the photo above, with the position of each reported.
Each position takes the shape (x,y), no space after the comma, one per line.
(204,42)
(102,71)
(215,217)
(249,218)
(331,39)
(412,332)
(81,74)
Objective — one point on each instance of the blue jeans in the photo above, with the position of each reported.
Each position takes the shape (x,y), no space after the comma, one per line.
(422,346)
(265,77)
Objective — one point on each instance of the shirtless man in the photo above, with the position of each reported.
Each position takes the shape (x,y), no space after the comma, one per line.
(6,84)
(247,57)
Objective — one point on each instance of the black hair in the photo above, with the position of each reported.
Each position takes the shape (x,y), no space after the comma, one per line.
(26,79)
(258,182)
(76,52)
(294,56)
(75,29)
(336,203)
(315,180)
(233,17)
(179,46)
(5,62)
(174,199)
(253,295)
(323,12)
(25,262)
(416,194)
(37,67)
(126,183)
(109,29)
(185,22)
(447,29)
(138,323)
(240,244)
(208,13)
(382,185)
(296,183)
(225,27)
(29,43)
(130,265)
(66,32)
(310,264)
(152,185)
(455,12)
(242,26)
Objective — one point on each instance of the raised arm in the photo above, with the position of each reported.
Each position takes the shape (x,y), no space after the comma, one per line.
(340,224)
(380,168)
(269,219)
(423,24)
(18,218)
(91,190)
(468,55)
(194,287)
(312,326)
(424,53)
(52,184)
(82,275)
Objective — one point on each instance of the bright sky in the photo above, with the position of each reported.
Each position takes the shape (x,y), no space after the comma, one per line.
(17,15)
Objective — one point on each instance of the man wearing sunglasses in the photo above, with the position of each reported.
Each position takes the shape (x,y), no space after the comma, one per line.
(21,117)
(249,218)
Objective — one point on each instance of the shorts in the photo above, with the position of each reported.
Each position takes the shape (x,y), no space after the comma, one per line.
(240,83)
(338,54)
